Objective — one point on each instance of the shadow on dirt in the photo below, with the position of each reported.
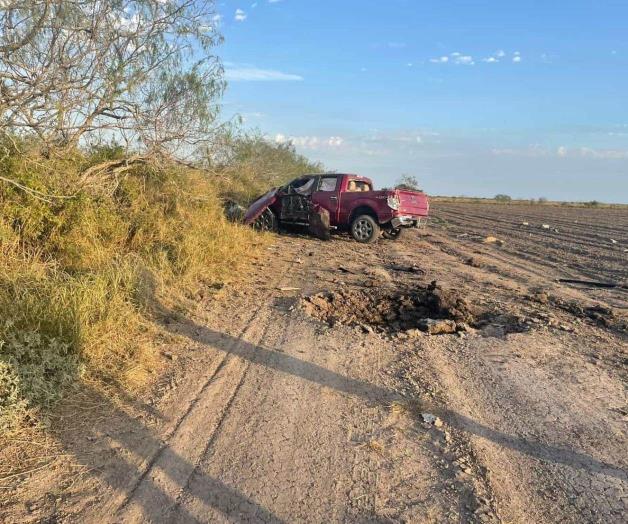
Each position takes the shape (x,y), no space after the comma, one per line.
(123,448)
(118,437)
(285,363)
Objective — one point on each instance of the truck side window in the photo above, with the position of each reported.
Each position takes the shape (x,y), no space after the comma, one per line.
(303,186)
(328,184)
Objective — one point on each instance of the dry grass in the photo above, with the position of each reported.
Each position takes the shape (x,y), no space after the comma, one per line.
(81,277)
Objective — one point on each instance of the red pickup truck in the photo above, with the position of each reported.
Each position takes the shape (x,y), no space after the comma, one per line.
(350,200)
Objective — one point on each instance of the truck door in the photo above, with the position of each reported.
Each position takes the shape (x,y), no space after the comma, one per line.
(326,196)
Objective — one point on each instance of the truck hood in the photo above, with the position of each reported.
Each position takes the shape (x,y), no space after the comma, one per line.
(259,206)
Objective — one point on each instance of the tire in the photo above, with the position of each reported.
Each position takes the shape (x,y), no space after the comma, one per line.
(267,221)
(393,233)
(365,229)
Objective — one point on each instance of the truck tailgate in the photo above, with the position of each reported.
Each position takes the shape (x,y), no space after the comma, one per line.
(413,203)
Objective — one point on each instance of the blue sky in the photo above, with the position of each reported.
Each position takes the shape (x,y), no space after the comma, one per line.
(474,98)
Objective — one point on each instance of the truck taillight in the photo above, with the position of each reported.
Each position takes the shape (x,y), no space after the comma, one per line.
(393,202)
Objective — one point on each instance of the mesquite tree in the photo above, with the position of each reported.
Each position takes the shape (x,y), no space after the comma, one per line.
(139,71)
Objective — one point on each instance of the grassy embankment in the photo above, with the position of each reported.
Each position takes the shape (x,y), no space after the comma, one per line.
(80,277)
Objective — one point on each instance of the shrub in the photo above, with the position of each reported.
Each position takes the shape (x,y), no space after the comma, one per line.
(80,276)
(408,182)
(502,198)
(248,166)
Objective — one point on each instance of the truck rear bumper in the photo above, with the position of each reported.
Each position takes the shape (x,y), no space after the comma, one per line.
(404,221)
(408,221)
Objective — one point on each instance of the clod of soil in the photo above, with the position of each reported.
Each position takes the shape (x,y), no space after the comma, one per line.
(602,315)
(431,309)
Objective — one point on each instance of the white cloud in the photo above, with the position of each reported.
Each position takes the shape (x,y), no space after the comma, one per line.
(516,59)
(240,16)
(454,58)
(246,73)
(274,1)
(500,54)
(311,142)
(464,60)
(562,151)
(490,60)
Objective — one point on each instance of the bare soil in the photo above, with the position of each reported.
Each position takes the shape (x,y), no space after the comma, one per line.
(330,403)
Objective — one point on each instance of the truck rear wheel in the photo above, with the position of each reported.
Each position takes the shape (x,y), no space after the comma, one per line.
(393,233)
(365,229)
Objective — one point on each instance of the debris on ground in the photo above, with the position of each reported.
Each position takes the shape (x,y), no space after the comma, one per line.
(379,275)
(613,241)
(525,223)
(493,240)
(319,222)
(431,309)
(545,226)
(437,327)
(473,262)
(428,418)
(408,269)
(289,288)
(540,297)
(602,315)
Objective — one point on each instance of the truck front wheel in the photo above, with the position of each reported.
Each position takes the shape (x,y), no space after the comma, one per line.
(267,221)
(365,229)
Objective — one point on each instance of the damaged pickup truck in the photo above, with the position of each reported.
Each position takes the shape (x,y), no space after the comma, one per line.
(339,201)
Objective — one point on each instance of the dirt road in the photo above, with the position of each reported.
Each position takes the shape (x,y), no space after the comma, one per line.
(270,415)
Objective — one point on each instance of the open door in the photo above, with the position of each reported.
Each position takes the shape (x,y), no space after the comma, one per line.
(326,196)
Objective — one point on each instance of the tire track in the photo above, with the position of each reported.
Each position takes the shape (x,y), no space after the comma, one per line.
(160,481)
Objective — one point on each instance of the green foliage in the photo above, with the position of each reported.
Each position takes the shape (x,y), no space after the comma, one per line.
(34,370)
(79,276)
(408,182)
(251,165)
(503,198)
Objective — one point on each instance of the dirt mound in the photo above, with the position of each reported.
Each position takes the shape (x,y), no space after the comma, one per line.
(431,309)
